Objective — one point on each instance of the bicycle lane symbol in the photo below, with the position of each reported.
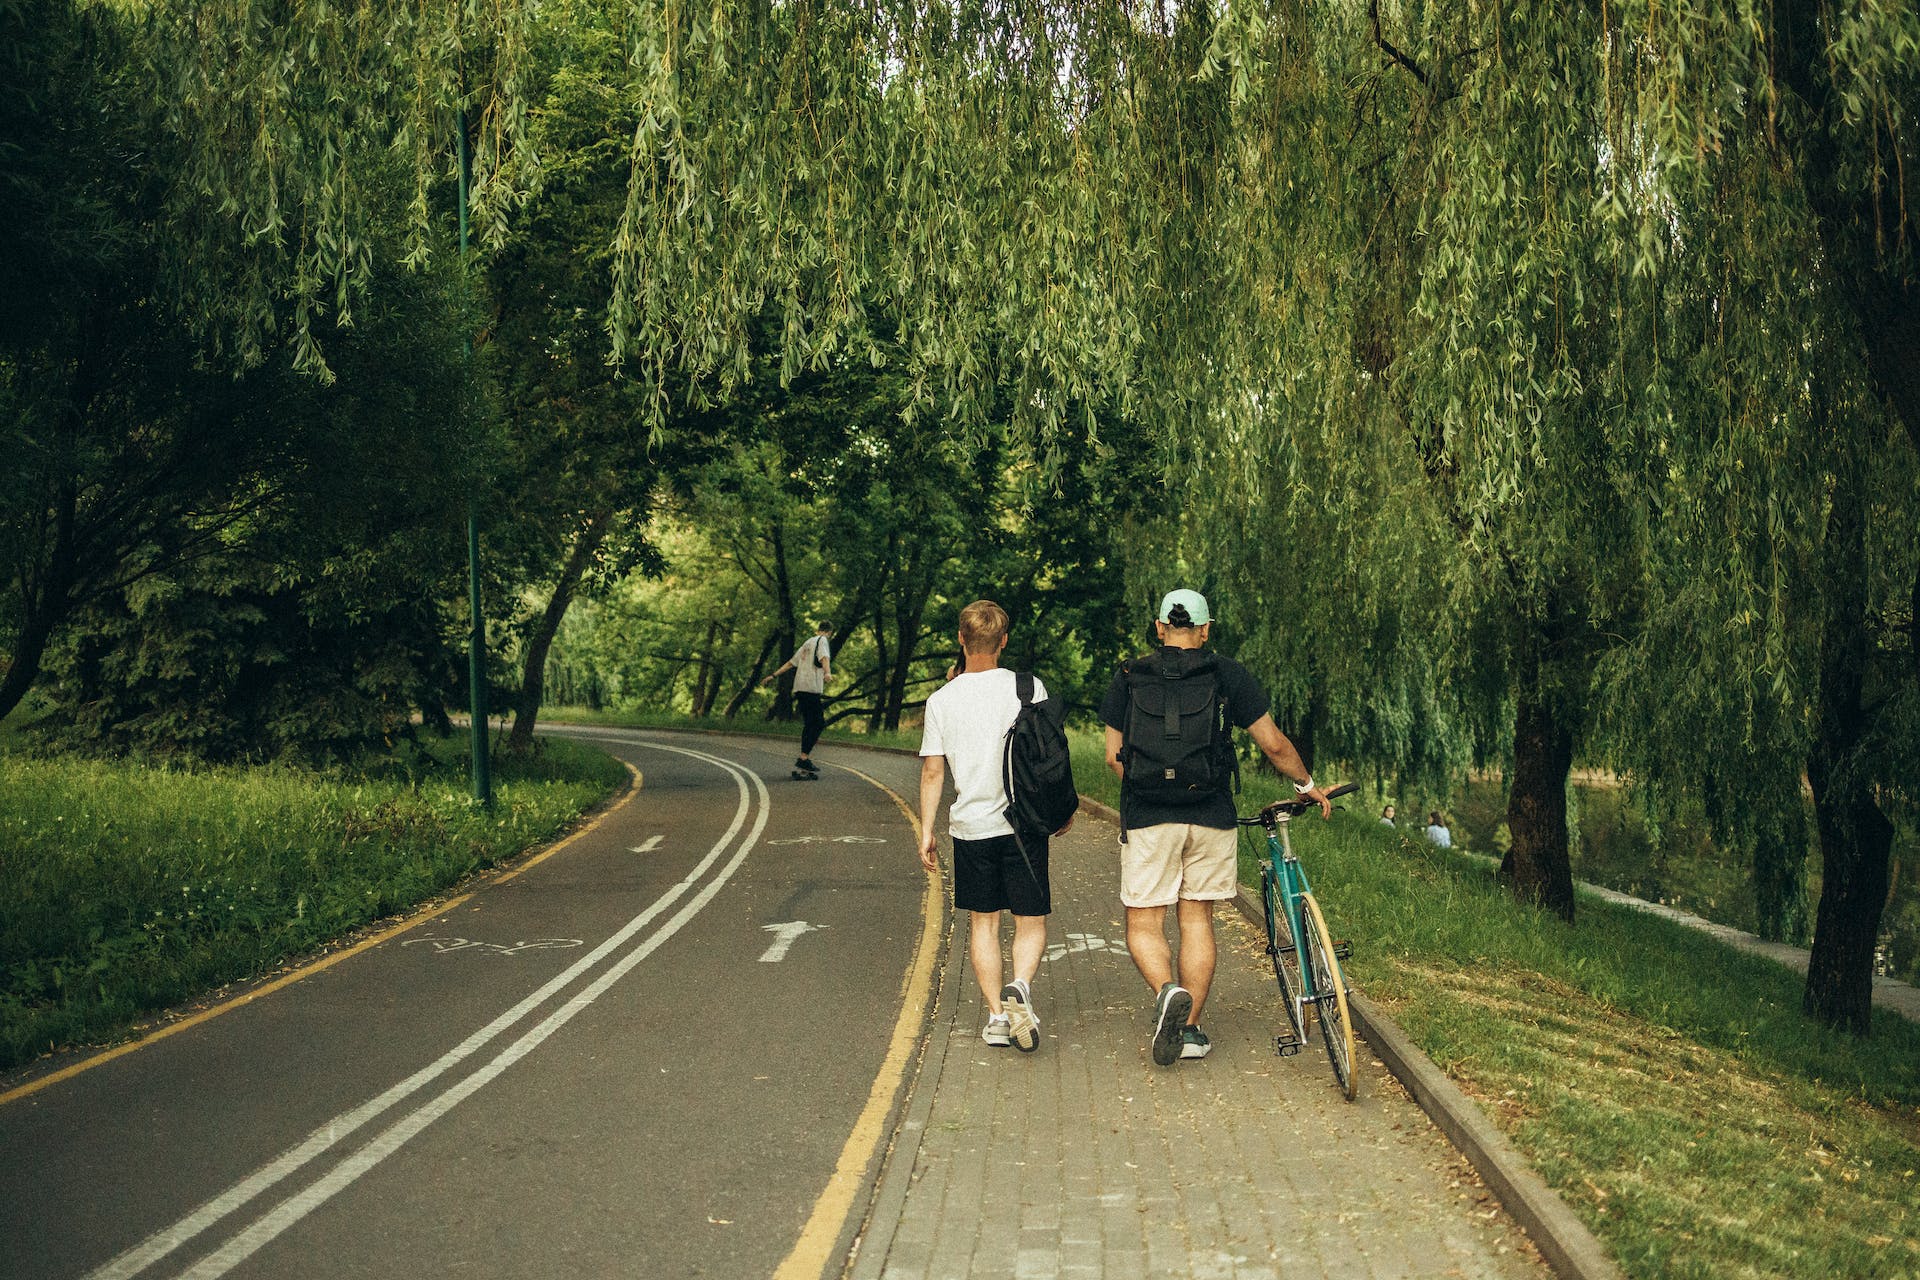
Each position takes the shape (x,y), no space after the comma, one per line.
(1079,943)
(442,946)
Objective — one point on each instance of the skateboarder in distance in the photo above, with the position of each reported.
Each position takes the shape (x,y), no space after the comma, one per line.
(812,667)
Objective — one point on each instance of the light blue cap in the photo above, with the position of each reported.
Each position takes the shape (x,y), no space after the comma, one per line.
(1192,601)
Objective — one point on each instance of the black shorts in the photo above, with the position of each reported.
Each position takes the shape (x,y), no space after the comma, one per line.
(991,875)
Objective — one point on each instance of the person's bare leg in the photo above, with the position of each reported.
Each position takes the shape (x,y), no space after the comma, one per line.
(1147,944)
(983,945)
(1197,954)
(1029,943)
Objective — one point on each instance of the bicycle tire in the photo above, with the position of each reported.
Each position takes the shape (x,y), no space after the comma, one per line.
(1336,1027)
(1283,952)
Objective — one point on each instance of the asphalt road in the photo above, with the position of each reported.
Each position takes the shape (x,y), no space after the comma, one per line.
(664,1051)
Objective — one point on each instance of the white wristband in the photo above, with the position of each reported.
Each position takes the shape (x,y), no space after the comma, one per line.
(1302,788)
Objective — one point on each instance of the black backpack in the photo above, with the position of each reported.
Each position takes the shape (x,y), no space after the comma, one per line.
(1035,764)
(1176,747)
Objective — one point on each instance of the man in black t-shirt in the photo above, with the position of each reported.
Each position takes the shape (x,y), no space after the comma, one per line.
(1186,853)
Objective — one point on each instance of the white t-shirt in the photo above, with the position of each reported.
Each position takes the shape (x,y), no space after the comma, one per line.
(808,678)
(967,722)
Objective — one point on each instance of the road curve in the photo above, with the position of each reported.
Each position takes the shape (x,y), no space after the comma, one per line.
(669,1050)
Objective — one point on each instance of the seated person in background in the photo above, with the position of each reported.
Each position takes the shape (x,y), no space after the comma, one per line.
(1437,830)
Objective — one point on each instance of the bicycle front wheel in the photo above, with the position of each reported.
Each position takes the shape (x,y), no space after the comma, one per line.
(1283,951)
(1330,990)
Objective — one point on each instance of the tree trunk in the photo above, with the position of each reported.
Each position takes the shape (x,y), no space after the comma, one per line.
(533,675)
(24,667)
(906,642)
(1852,216)
(46,595)
(1856,839)
(782,708)
(745,690)
(706,683)
(716,673)
(850,614)
(1913,619)
(1538,868)
(433,714)
(880,669)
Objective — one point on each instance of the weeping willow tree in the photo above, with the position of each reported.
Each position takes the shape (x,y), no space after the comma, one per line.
(1626,328)
(1537,379)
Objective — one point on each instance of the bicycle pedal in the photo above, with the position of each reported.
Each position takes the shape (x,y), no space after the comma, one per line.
(1286,1046)
(1342,949)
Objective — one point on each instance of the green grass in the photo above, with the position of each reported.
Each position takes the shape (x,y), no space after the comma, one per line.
(125,889)
(1667,1086)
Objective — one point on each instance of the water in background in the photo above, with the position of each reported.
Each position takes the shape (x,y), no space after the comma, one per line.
(1618,844)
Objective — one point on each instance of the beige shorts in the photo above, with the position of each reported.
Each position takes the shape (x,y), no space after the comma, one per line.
(1163,864)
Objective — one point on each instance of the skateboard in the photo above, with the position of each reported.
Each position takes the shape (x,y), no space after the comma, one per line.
(801,775)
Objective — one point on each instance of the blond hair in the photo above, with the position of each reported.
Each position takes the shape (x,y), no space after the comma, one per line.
(983,625)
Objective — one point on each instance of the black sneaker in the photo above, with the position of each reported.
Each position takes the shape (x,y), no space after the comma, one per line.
(806,766)
(1194,1043)
(1170,1010)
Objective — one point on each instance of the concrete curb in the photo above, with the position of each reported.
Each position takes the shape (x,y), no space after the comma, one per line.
(884,1210)
(1570,1249)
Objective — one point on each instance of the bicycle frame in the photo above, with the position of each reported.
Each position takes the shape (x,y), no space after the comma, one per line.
(1305,958)
(1291,878)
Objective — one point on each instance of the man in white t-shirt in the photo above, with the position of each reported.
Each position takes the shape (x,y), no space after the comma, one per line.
(812,666)
(993,870)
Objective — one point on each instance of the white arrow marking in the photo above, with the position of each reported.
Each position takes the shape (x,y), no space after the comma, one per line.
(786,934)
(653,842)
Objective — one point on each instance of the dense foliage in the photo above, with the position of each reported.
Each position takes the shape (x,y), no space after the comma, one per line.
(1529,384)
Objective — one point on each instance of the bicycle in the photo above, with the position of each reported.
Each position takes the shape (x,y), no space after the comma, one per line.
(1294,926)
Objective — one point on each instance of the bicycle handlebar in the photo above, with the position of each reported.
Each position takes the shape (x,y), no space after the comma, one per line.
(1294,808)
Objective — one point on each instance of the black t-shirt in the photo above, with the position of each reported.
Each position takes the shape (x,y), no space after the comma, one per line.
(1246,702)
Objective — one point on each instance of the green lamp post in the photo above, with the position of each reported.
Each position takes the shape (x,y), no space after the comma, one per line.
(477,641)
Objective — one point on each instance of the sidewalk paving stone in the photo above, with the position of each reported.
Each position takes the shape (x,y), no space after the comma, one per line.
(1086,1160)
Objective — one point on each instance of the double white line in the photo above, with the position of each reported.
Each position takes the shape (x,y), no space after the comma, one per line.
(263,1229)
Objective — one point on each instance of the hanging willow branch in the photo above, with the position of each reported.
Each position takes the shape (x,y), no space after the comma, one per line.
(1387,46)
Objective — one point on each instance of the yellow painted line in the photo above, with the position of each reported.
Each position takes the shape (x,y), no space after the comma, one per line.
(325,962)
(813,1253)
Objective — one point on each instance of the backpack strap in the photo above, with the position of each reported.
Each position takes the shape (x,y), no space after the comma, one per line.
(1126,673)
(1023,687)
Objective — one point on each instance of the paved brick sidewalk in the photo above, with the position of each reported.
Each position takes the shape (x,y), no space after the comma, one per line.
(1084,1159)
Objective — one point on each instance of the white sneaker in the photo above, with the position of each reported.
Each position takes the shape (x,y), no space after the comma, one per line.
(1022,1024)
(997,1033)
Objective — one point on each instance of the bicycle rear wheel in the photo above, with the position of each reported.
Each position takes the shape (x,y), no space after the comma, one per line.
(1283,951)
(1330,987)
